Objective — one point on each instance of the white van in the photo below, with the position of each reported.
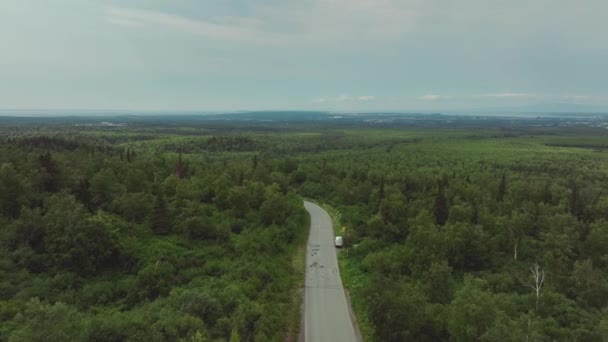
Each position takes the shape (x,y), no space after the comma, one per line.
(339,242)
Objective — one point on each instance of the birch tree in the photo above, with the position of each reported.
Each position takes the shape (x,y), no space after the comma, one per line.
(538,278)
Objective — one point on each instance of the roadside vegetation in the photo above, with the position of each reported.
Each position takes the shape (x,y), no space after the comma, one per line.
(195,232)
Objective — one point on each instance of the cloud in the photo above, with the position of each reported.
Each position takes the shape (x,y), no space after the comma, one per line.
(506,95)
(431,97)
(124,22)
(232,28)
(362,98)
(321,21)
(577,97)
(289,22)
(345,98)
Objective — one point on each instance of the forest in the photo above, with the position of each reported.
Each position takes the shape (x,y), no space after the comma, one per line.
(482,230)
(105,243)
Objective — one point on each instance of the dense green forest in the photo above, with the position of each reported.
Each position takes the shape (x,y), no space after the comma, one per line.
(107,243)
(190,233)
(460,239)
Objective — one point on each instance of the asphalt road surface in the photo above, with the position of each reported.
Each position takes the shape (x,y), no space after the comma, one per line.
(326,311)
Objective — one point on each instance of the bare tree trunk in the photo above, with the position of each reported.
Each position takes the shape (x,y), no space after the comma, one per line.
(538,277)
(515,249)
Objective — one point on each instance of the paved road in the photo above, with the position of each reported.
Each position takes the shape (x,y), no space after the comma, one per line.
(326,312)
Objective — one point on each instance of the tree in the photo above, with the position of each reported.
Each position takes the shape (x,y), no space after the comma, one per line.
(82,192)
(502,188)
(73,240)
(52,323)
(239,201)
(538,278)
(28,241)
(590,285)
(424,244)
(199,303)
(575,204)
(104,188)
(517,227)
(583,274)
(380,191)
(514,329)
(460,213)
(234,336)
(274,210)
(135,207)
(472,312)
(475,214)
(136,180)
(155,280)
(202,228)
(438,282)
(441,206)
(397,311)
(51,182)
(160,221)
(11,191)
(180,168)
(596,244)
(465,246)
(393,212)
(254,162)
(30,230)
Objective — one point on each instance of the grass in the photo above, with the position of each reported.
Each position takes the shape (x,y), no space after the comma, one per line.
(354,280)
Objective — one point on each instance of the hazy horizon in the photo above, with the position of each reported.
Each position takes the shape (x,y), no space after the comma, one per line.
(58,113)
(334,55)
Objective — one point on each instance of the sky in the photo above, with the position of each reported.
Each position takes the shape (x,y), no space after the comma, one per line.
(334,55)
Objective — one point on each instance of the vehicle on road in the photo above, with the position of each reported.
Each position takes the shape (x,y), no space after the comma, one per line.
(339,242)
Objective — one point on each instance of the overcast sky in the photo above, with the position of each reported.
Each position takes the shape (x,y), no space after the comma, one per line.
(361,55)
